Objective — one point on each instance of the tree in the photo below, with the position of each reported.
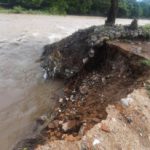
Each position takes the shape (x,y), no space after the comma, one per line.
(112,13)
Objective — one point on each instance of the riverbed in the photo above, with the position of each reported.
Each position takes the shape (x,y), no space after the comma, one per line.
(24,94)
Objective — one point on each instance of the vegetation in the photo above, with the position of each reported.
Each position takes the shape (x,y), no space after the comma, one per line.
(147,27)
(146,62)
(126,8)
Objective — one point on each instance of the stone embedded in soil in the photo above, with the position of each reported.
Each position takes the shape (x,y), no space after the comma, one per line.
(71,138)
(126,101)
(60,100)
(54,124)
(71,125)
(83,89)
(51,126)
(42,119)
(105,127)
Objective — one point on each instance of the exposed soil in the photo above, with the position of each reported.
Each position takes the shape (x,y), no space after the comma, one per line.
(108,77)
(98,73)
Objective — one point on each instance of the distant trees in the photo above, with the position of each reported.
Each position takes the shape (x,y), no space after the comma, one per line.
(126,8)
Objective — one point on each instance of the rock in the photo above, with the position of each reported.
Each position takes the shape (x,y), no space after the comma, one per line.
(72,98)
(85,60)
(42,119)
(95,142)
(83,89)
(126,101)
(93,38)
(103,80)
(60,100)
(67,99)
(91,53)
(71,125)
(105,128)
(59,110)
(45,75)
(60,122)
(83,129)
(51,126)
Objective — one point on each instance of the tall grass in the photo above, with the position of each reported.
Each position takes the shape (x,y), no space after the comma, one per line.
(21,10)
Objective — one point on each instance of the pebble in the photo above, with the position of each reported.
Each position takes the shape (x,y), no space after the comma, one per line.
(59,110)
(45,76)
(70,125)
(51,125)
(105,128)
(85,60)
(103,80)
(67,99)
(126,101)
(72,98)
(91,53)
(95,142)
(83,89)
(60,100)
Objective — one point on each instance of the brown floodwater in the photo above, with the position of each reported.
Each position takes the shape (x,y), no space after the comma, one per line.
(24,95)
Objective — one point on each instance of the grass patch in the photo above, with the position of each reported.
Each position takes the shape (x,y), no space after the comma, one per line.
(21,10)
(145,62)
(17,10)
(146,27)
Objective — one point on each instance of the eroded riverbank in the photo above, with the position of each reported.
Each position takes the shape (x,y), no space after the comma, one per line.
(23,94)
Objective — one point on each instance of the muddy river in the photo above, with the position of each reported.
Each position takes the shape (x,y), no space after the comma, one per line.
(24,95)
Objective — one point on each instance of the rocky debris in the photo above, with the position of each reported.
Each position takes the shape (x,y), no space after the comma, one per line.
(115,132)
(71,125)
(69,56)
(87,96)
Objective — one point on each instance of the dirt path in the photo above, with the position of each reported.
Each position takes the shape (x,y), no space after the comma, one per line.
(23,93)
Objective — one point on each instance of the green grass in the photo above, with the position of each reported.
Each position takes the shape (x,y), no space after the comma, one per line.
(146,27)
(21,10)
(145,62)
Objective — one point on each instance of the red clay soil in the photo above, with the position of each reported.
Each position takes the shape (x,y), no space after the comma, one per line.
(89,93)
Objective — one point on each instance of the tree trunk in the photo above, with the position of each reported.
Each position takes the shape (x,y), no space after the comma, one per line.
(112,13)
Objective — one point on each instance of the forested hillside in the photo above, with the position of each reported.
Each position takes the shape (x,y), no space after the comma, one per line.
(127,8)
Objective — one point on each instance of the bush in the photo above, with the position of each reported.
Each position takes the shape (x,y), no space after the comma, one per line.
(146,27)
(146,62)
(55,10)
(17,10)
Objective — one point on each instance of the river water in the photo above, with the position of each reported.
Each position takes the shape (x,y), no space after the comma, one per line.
(24,95)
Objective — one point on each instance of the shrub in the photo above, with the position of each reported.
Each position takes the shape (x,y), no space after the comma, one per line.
(55,10)
(17,10)
(146,62)
(146,27)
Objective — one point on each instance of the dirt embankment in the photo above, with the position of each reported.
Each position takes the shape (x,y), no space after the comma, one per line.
(99,73)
